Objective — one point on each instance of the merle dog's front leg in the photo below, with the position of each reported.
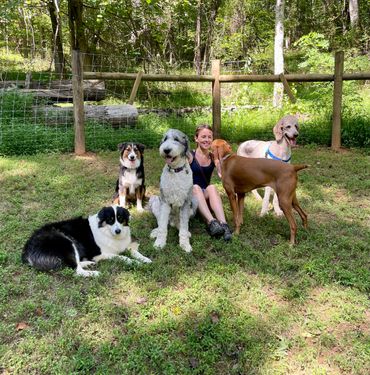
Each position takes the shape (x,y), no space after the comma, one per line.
(161,232)
(184,228)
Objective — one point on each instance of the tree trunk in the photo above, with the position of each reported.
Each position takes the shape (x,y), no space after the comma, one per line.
(58,55)
(278,52)
(353,13)
(77,34)
(198,29)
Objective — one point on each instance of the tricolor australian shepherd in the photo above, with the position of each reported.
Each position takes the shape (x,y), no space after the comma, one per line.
(131,180)
(80,242)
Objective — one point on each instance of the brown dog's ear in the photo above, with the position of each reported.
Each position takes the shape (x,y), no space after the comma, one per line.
(279,130)
(217,160)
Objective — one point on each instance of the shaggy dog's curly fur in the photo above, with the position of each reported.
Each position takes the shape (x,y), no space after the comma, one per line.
(175,205)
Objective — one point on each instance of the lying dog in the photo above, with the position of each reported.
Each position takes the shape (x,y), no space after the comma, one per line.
(286,132)
(80,242)
(131,180)
(240,175)
(176,204)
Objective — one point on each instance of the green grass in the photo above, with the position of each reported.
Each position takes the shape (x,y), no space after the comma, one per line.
(252,306)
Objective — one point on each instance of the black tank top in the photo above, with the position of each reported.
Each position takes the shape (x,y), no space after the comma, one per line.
(201,175)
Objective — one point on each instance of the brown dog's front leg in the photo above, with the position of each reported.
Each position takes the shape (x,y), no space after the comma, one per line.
(234,208)
(241,207)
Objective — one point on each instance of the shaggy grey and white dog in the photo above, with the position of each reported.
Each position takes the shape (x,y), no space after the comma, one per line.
(175,205)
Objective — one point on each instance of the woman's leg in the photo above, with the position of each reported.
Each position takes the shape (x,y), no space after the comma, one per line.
(216,203)
(215,229)
(202,203)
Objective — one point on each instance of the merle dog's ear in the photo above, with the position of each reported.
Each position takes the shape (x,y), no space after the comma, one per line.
(122,146)
(141,147)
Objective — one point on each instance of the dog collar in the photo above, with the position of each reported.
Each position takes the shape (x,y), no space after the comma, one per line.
(272,156)
(177,170)
(225,157)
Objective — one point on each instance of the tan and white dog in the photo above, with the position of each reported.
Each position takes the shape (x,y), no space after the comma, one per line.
(286,132)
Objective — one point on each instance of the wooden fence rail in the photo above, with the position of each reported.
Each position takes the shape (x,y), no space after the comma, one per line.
(227,78)
(217,79)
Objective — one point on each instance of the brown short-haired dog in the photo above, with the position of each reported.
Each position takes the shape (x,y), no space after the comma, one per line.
(240,175)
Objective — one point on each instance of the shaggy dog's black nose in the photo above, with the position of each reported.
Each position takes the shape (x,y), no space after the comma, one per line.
(132,157)
(167,150)
(118,231)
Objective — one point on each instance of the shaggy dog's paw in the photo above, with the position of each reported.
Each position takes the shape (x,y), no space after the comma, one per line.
(185,245)
(154,233)
(160,244)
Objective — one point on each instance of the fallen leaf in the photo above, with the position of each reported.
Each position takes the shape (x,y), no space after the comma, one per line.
(21,326)
(39,311)
(215,317)
(141,300)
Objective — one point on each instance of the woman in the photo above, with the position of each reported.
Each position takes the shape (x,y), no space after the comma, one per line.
(209,200)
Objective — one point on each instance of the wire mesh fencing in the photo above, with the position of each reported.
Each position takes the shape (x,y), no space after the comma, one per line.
(36,104)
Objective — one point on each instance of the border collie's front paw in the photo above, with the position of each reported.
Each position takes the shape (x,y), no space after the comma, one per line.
(145,259)
(86,273)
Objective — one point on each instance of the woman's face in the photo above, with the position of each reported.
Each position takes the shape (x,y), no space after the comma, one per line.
(204,138)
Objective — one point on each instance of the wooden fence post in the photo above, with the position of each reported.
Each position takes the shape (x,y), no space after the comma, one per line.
(135,88)
(78,101)
(337,101)
(216,99)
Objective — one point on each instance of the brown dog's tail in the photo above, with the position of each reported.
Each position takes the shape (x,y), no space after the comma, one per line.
(298,167)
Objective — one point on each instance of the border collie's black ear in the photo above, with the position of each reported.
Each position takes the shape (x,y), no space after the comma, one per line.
(103,214)
(141,147)
(122,146)
(123,215)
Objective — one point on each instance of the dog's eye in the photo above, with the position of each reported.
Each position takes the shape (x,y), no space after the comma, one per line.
(110,221)
(288,126)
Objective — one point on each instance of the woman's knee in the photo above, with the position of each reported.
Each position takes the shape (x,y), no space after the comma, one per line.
(197,190)
(212,191)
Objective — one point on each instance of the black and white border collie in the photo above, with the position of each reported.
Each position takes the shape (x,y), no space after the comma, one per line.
(131,180)
(81,242)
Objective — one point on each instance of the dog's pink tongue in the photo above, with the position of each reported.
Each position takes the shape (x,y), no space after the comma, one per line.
(168,160)
(293,142)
